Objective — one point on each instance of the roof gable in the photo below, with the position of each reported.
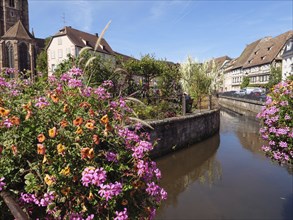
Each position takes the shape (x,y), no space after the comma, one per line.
(18,31)
(82,39)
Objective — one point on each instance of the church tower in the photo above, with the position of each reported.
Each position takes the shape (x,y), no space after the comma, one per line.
(17,44)
(12,11)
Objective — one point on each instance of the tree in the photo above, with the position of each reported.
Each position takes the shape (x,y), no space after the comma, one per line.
(195,79)
(42,59)
(275,77)
(245,82)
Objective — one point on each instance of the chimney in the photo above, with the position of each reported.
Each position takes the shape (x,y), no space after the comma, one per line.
(97,35)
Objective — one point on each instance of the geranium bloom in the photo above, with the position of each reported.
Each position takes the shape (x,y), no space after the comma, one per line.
(41,149)
(42,102)
(53,132)
(41,138)
(121,215)
(78,121)
(2,184)
(4,112)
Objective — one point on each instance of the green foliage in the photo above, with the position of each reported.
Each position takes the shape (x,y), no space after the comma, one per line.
(245,82)
(195,79)
(42,59)
(275,77)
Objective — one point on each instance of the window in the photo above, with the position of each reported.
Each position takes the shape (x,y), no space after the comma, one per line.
(11,3)
(59,41)
(9,58)
(52,54)
(53,67)
(12,14)
(60,54)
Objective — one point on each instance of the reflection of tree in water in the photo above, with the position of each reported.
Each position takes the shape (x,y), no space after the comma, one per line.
(184,167)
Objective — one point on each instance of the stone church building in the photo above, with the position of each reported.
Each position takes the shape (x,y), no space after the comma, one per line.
(17,45)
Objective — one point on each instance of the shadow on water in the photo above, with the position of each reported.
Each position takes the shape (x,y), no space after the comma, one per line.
(189,165)
(226,177)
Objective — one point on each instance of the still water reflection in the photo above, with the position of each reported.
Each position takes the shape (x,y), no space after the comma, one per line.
(226,177)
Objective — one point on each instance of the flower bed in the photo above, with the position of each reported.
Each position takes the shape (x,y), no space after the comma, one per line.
(277,123)
(65,154)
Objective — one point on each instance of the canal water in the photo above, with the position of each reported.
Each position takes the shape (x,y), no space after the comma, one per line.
(226,177)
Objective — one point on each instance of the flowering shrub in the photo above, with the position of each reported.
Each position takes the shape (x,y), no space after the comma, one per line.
(65,154)
(277,121)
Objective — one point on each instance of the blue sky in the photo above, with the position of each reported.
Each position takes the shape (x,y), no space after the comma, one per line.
(170,30)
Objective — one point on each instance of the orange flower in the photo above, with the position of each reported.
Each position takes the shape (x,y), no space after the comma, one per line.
(92,113)
(108,127)
(84,152)
(65,191)
(85,105)
(53,132)
(14,149)
(78,121)
(54,98)
(49,180)
(79,130)
(15,120)
(61,149)
(28,115)
(41,149)
(96,139)
(65,171)
(124,202)
(45,159)
(4,112)
(90,125)
(105,119)
(41,138)
(64,123)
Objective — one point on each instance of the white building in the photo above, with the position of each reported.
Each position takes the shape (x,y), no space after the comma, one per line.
(287,62)
(70,41)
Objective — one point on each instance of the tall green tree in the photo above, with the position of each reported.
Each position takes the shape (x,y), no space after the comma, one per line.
(42,59)
(245,82)
(275,77)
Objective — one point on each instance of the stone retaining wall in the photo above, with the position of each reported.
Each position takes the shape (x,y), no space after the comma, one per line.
(242,106)
(178,132)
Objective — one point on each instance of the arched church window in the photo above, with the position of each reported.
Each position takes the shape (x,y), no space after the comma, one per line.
(9,55)
(11,3)
(24,58)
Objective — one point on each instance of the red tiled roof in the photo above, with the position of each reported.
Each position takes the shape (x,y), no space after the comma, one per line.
(82,39)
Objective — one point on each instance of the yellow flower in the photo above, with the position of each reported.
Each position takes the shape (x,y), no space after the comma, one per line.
(49,180)
(91,153)
(52,132)
(90,125)
(91,196)
(65,171)
(4,112)
(65,108)
(45,159)
(105,119)
(61,149)
(79,130)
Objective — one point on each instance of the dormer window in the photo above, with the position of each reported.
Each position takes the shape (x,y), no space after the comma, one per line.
(11,3)
(263,57)
(256,52)
(249,61)
(289,45)
(269,48)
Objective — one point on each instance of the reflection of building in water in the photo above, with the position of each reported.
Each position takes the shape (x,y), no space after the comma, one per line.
(188,165)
